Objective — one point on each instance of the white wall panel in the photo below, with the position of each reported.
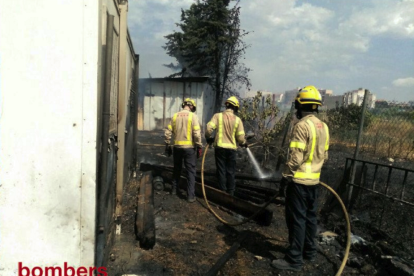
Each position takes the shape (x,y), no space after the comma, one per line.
(48,90)
(175,92)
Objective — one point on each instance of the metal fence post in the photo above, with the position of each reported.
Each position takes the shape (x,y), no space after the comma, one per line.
(358,143)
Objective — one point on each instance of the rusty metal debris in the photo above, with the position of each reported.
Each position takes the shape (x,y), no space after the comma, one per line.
(238,205)
(146,167)
(248,192)
(232,203)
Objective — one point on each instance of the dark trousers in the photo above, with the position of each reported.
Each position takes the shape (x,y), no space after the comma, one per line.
(189,157)
(301,220)
(226,168)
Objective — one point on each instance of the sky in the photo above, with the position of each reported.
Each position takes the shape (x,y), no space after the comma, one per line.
(340,45)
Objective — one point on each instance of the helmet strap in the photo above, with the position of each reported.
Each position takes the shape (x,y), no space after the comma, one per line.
(309,107)
(299,114)
(232,107)
(304,110)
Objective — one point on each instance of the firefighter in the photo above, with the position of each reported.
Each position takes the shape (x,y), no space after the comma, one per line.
(187,145)
(229,131)
(308,150)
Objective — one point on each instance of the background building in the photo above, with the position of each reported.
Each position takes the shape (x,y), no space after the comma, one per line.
(276,98)
(325,93)
(331,102)
(357,97)
(289,98)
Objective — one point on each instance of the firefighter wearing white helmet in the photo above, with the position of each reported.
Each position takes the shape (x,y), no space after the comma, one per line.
(229,132)
(185,127)
(308,150)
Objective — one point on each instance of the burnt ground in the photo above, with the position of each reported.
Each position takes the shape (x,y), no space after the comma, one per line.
(190,240)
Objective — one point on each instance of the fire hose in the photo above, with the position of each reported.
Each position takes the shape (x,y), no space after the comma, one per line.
(348,224)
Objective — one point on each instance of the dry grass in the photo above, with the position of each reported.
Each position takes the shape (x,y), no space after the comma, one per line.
(390,138)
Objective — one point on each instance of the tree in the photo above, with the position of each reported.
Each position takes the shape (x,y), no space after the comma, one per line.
(347,118)
(261,116)
(210,44)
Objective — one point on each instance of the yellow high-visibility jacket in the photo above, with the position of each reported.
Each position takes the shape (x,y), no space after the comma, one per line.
(308,149)
(229,128)
(186,129)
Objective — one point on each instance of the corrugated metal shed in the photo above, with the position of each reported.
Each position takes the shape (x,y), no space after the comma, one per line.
(160,98)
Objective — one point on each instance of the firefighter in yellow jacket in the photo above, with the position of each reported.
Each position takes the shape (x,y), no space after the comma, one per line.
(229,132)
(187,144)
(308,150)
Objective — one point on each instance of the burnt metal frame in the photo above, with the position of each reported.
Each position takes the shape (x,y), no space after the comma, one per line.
(352,161)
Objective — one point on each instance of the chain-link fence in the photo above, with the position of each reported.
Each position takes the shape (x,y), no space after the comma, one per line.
(390,132)
(387,131)
(343,124)
(383,139)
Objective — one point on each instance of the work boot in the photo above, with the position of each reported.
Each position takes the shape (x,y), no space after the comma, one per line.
(174,190)
(310,258)
(191,199)
(231,193)
(285,265)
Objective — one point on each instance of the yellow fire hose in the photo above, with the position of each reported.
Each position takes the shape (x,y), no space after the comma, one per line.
(348,224)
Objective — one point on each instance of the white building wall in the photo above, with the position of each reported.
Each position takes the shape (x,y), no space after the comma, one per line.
(357,97)
(278,97)
(48,90)
(157,114)
(331,102)
(373,100)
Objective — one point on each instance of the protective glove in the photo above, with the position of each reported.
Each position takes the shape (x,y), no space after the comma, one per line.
(244,145)
(168,150)
(199,152)
(210,141)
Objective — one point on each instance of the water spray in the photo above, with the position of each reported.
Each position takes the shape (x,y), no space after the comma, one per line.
(255,164)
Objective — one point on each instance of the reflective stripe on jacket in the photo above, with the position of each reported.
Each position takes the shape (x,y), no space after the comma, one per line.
(308,150)
(229,130)
(186,129)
